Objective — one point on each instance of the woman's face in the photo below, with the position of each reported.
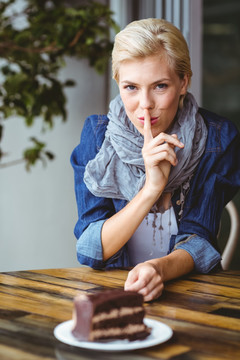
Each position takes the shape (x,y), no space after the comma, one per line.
(150,83)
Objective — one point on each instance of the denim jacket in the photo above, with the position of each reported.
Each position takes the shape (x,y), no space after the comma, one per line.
(215,182)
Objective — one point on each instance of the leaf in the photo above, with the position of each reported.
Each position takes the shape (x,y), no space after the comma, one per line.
(6,70)
(36,153)
(38,144)
(29,120)
(50,155)
(69,83)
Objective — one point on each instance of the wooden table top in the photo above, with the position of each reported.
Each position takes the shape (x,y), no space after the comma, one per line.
(202,310)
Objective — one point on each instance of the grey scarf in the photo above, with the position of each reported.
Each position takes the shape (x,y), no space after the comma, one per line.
(118,169)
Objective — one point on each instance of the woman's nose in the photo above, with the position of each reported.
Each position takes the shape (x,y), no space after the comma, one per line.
(146,100)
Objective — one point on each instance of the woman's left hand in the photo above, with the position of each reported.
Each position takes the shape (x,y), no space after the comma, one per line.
(146,280)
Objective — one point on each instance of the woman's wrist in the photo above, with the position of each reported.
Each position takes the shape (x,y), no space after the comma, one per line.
(174,265)
(158,266)
(151,194)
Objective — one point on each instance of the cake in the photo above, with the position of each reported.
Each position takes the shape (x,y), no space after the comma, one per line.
(109,315)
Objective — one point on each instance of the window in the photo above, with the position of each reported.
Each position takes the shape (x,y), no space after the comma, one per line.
(221,58)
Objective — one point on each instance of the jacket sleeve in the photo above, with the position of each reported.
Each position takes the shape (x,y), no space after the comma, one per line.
(204,255)
(92,211)
(215,183)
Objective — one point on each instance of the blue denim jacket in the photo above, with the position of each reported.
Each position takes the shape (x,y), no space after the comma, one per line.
(214,184)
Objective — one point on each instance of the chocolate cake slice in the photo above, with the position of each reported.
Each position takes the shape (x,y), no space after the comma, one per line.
(109,315)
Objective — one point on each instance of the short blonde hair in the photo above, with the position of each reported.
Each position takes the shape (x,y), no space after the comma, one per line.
(148,37)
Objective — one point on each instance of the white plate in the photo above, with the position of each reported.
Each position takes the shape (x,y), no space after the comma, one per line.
(159,334)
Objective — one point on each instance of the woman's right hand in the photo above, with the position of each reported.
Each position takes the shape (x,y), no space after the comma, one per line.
(159,155)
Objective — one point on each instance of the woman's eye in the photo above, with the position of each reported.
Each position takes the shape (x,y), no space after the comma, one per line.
(161,86)
(130,87)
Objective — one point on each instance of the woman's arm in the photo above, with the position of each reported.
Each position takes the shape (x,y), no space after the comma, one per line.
(92,210)
(158,155)
(119,228)
(148,278)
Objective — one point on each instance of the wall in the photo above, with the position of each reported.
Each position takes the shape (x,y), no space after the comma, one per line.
(37,209)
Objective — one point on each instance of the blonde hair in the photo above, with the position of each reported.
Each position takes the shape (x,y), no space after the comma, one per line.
(148,37)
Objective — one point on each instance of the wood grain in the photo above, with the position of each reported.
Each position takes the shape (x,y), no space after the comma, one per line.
(202,310)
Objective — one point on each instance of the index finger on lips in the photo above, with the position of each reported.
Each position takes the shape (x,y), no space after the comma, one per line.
(147,126)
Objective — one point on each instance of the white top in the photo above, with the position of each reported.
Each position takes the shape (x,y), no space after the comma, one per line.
(152,237)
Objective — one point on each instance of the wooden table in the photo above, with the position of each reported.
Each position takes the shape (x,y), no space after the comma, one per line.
(202,310)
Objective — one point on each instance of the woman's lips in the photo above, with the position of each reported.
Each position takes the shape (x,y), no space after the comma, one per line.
(153,120)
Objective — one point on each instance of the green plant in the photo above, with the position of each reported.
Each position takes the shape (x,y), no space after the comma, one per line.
(32,56)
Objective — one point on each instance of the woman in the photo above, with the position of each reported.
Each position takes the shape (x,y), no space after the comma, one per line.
(153,176)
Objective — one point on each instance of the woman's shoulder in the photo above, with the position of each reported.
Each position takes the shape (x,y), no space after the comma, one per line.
(91,139)
(221,131)
(216,120)
(94,121)
(94,128)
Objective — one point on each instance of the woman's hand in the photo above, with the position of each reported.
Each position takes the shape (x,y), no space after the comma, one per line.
(146,280)
(159,155)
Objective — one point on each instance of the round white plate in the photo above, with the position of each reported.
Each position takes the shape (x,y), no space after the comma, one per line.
(160,333)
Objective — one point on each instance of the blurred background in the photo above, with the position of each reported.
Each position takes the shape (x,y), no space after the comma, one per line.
(37,208)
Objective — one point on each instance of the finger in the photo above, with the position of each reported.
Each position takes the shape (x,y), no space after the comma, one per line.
(131,279)
(147,126)
(153,281)
(138,285)
(181,145)
(166,138)
(153,289)
(137,279)
(157,157)
(155,293)
(165,147)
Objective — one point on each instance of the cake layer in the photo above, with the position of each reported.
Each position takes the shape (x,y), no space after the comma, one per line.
(130,332)
(121,321)
(115,314)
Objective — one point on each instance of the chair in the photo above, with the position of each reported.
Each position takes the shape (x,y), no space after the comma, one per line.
(233,235)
